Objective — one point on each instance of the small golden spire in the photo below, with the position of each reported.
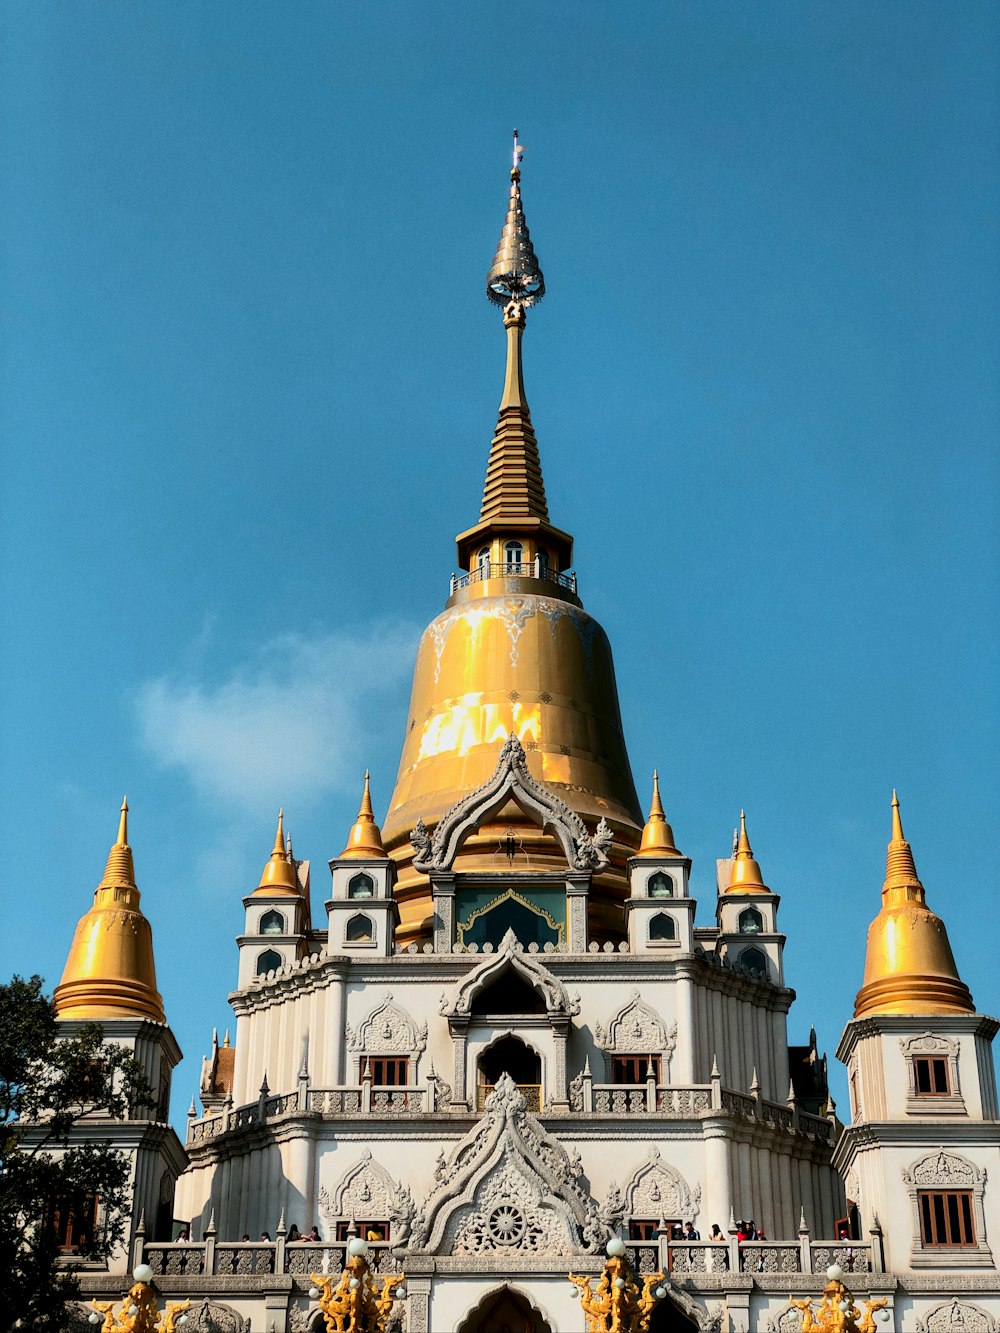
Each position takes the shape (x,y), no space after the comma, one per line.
(745,876)
(279,874)
(909,965)
(109,970)
(657,835)
(364,842)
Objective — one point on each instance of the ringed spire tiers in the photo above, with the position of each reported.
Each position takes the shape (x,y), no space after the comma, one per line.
(278,875)
(909,965)
(514,504)
(109,971)
(657,835)
(365,838)
(745,876)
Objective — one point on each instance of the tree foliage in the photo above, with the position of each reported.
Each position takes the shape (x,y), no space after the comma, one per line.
(57,1093)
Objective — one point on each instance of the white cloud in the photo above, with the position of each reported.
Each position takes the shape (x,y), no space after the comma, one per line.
(299,720)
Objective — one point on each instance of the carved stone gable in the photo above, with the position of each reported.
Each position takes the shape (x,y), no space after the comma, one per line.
(957,1317)
(509,1187)
(655,1190)
(511,780)
(367,1190)
(638,1028)
(926,1043)
(511,957)
(387,1030)
(946,1170)
(214,1317)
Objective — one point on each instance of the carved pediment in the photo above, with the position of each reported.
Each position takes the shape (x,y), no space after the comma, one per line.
(387,1030)
(655,1189)
(945,1169)
(511,781)
(957,1317)
(926,1043)
(509,1187)
(367,1190)
(214,1317)
(510,956)
(636,1027)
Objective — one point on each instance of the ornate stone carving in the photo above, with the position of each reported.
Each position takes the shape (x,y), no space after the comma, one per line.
(509,1186)
(387,1030)
(957,1317)
(367,1190)
(583,850)
(214,1317)
(636,1027)
(576,1092)
(788,1321)
(946,1170)
(511,956)
(926,1043)
(655,1189)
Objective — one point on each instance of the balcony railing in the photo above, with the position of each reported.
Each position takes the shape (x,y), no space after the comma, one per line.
(226,1259)
(514,569)
(531,1092)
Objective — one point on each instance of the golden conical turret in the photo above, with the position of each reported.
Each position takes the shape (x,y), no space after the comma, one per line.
(365,838)
(745,876)
(909,966)
(657,835)
(279,874)
(110,972)
(514,652)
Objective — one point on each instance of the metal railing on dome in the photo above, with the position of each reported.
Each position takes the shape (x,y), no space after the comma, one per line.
(513,569)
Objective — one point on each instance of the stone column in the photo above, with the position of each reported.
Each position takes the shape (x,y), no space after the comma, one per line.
(419,1302)
(335,1018)
(718,1183)
(558,1097)
(577,898)
(443,897)
(687,1037)
(459,1036)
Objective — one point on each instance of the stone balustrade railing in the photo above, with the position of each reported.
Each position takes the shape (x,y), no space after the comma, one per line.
(212,1258)
(585,1097)
(764,1257)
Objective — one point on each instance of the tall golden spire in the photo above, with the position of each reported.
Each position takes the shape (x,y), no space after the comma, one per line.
(514,502)
(109,971)
(279,874)
(365,838)
(745,876)
(657,835)
(909,966)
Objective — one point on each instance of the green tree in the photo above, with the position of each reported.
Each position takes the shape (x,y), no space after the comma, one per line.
(50,1085)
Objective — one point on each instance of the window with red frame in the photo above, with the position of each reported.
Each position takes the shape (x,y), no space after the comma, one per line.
(633,1068)
(946,1217)
(387,1071)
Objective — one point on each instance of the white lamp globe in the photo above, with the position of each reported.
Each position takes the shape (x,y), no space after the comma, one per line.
(843,1307)
(401,1292)
(883,1316)
(573,1291)
(660,1292)
(93,1317)
(835,1273)
(313,1293)
(620,1283)
(142,1273)
(133,1309)
(354,1283)
(183,1319)
(357,1248)
(615,1248)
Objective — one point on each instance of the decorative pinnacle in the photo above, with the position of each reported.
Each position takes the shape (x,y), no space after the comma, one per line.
(279,837)
(515,275)
(364,842)
(900,870)
(123,824)
(745,876)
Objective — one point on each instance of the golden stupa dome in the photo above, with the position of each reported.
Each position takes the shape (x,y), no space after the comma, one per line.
(909,966)
(278,875)
(744,875)
(657,835)
(365,838)
(514,652)
(109,972)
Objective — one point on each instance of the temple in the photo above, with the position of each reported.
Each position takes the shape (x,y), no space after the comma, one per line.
(508,1034)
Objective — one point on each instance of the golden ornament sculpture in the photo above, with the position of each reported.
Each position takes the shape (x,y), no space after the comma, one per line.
(138,1312)
(837,1311)
(618,1304)
(352,1303)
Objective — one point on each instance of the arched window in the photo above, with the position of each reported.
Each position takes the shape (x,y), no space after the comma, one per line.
(751,922)
(662,927)
(361,886)
(272,923)
(754,961)
(483,562)
(513,553)
(359,929)
(268,961)
(660,885)
(510,1055)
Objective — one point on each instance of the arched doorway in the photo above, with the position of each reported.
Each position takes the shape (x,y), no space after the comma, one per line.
(504,1311)
(510,1055)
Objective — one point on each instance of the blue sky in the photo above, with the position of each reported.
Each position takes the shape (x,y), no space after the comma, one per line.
(249,378)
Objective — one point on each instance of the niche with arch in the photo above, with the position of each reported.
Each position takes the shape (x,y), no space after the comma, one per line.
(272,923)
(359,930)
(361,886)
(662,928)
(268,961)
(750,922)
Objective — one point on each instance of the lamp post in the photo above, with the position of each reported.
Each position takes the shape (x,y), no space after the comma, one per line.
(618,1304)
(139,1312)
(355,1303)
(837,1311)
